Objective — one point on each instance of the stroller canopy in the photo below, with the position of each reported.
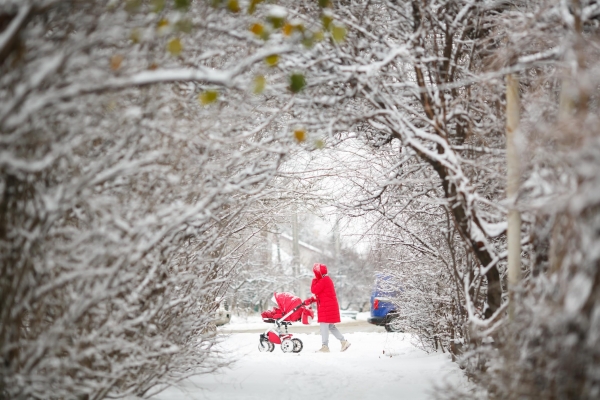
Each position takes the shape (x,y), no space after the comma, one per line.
(286,302)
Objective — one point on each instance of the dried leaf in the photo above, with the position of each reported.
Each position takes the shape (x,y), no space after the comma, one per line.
(288,29)
(116,61)
(300,135)
(257,29)
(111,106)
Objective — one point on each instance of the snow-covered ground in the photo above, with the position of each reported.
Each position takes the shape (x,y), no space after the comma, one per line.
(378,365)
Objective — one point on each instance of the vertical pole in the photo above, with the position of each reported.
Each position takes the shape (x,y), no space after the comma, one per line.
(278,244)
(336,238)
(295,251)
(512,187)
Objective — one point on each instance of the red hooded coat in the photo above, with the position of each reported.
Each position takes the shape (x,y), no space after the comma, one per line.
(327,304)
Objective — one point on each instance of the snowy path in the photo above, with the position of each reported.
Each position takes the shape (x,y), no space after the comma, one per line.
(362,372)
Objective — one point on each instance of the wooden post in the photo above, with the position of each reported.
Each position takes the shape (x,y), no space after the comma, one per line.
(512,187)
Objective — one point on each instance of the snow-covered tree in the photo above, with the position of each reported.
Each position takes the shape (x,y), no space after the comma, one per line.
(133,141)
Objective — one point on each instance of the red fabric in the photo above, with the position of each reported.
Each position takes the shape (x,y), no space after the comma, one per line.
(273,338)
(274,313)
(307,315)
(319,270)
(327,303)
(287,302)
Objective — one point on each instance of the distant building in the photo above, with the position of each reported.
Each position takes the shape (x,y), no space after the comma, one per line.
(308,255)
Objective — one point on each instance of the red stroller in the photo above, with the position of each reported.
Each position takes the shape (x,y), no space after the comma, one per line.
(290,309)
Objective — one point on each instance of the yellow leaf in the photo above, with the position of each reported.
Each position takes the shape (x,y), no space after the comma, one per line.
(208,96)
(162,26)
(162,23)
(319,143)
(338,33)
(288,29)
(272,60)
(233,6)
(300,135)
(257,29)
(259,84)
(318,36)
(115,62)
(175,47)
(326,20)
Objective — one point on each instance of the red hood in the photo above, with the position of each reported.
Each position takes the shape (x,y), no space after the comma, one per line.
(319,270)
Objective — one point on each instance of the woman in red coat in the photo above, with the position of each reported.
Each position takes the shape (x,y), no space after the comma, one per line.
(327,307)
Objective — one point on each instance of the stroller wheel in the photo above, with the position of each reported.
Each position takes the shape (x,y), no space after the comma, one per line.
(298,346)
(287,346)
(265,346)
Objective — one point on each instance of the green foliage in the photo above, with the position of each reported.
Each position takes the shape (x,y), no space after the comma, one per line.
(182,4)
(184,25)
(297,82)
(277,22)
(252,6)
(132,5)
(326,20)
(157,5)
